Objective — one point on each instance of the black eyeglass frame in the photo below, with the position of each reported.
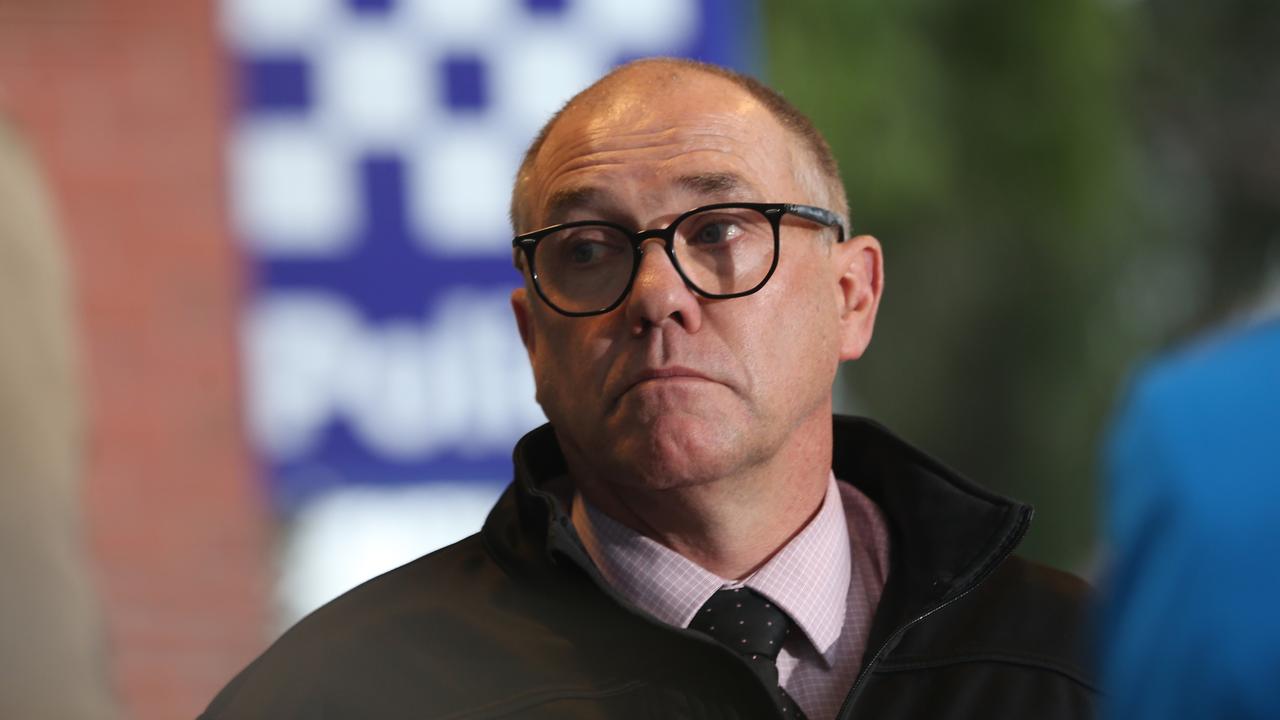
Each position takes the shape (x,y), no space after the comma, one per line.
(774,212)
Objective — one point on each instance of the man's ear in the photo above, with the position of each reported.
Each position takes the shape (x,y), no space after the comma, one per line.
(860,263)
(524,318)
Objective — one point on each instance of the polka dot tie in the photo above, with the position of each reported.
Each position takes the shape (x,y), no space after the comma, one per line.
(754,627)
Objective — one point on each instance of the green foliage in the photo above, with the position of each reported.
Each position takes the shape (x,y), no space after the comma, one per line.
(988,144)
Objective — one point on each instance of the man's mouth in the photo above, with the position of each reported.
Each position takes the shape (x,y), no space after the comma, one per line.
(674,372)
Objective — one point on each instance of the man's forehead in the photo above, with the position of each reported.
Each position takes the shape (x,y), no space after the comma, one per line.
(700,133)
(709,187)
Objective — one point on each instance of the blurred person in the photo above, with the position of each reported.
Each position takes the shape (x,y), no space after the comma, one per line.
(1193,468)
(693,534)
(52,663)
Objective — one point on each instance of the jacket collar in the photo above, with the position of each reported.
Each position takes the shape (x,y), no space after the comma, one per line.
(945,532)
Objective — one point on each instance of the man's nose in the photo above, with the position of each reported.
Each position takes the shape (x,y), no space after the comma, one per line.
(659,294)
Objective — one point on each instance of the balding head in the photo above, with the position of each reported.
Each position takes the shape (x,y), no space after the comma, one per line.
(652,80)
(692,375)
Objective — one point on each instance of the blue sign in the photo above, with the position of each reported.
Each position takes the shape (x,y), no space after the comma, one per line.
(371,163)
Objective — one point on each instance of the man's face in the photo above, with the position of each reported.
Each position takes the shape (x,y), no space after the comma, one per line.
(671,389)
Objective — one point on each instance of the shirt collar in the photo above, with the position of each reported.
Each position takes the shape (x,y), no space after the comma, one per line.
(655,578)
(808,578)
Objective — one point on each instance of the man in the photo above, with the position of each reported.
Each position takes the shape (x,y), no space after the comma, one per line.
(675,543)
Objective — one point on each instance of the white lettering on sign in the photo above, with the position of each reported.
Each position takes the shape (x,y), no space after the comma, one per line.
(458,380)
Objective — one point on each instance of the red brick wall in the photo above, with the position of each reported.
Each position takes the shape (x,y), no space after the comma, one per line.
(124,102)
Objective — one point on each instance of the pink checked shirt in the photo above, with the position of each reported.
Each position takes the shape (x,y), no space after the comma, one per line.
(828,579)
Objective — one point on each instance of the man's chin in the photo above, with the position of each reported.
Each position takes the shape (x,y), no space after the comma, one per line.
(675,450)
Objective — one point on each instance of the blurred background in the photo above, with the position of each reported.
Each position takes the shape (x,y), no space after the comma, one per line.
(265,246)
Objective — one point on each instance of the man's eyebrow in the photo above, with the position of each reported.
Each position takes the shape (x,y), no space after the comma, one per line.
(564,201)
(714,184)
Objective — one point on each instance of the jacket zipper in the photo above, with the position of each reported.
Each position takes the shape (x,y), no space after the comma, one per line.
(846,708)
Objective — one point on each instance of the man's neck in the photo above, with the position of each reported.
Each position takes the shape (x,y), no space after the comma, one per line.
(731,525)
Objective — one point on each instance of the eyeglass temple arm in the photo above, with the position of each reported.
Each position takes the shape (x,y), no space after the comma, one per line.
(819,215)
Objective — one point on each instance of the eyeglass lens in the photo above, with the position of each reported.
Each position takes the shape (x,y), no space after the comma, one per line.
(721,251)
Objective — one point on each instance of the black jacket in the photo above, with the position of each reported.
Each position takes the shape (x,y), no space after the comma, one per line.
(516,622)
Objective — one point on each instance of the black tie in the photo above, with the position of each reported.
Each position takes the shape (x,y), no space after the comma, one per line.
(753,626)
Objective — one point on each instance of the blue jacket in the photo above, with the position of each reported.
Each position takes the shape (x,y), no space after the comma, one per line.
(1192,613)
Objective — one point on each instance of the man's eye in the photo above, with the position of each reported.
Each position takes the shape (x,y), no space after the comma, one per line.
(585,252)
(716,233)
(589,252)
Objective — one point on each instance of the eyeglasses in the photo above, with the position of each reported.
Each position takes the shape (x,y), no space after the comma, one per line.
(725,250)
